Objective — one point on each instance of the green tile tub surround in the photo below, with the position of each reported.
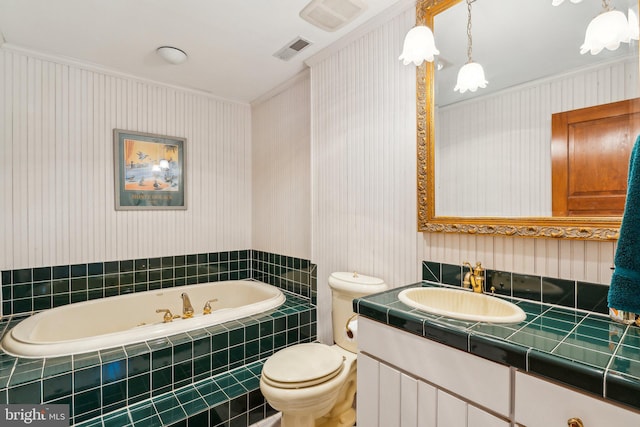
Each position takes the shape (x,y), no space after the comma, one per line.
(35,289)
(98,384)
(569,293)
(581,349)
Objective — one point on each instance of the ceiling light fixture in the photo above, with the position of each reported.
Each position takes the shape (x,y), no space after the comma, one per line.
(609,29)
(172,54)
(559,2)
(471,75)
(419,45)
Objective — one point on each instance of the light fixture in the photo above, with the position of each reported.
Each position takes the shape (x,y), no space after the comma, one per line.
(172,54)
(608,30)
(419,45)
(471,75)
(164,164)
(559,2)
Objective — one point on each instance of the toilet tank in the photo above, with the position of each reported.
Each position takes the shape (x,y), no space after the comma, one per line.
(345,286)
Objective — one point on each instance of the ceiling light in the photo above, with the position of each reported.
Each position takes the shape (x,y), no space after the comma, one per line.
(471,75)
(559,2)
(419,46)
(607,30)
(172,54)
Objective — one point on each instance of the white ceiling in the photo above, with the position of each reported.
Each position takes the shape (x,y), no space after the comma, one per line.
(517,41)
(230,43)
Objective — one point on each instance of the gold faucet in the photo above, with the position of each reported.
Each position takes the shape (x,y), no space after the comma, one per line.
(474,277)
(207,306)
(187,308)
(168,317)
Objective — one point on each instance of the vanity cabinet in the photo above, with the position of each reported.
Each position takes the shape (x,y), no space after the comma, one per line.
(408,381)
(540,403)
(405,380)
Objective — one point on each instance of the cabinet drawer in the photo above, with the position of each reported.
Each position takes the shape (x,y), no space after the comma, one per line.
(540,403)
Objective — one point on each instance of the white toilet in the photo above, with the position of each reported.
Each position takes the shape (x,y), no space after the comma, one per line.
(314,384)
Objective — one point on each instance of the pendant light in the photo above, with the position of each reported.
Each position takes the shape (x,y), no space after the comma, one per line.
(419,46)
(609,29)
(471,75)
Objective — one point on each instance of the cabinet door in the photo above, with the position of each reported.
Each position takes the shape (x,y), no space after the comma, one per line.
(476,417)
(408,401)
(427,405)
(389,398)
(539,403)
(367,395)
(452,412)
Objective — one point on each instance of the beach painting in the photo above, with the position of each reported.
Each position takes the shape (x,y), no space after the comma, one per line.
(149,171)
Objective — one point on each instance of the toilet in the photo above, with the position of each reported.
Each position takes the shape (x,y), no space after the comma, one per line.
(314,384)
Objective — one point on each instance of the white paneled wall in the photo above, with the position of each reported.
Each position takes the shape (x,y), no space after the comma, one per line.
(281,171)
(363,162)
(508,134)
(56,165)
(364,181)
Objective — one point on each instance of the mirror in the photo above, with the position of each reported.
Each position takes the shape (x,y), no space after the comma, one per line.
(475,148)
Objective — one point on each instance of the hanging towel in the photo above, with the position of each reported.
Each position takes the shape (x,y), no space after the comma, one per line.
(624,292)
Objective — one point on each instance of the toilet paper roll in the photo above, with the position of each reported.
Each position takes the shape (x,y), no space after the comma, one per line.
(352,329)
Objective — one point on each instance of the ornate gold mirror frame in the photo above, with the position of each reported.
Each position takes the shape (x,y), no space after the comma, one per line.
(585,228)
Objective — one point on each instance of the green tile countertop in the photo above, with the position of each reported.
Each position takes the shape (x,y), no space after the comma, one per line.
(584,350)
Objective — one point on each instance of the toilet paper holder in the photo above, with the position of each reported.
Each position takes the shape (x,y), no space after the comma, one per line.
(347,329)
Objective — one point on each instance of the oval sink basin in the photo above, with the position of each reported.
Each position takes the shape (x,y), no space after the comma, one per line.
(463,305)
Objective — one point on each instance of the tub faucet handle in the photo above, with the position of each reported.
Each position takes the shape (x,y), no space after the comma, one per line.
(168,317)
(207,306)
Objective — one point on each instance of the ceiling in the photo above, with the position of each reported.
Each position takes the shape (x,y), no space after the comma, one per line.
(230,43)
(518,41)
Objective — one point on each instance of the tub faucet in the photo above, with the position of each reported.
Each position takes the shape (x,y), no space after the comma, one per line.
(187,308)
(474,277)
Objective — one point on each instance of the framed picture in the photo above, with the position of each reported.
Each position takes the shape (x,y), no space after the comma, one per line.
(149,171)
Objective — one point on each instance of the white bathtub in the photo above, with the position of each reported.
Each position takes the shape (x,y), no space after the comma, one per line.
(127,319)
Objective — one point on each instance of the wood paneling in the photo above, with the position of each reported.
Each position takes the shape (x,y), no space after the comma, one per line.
(56,166)
(282,171)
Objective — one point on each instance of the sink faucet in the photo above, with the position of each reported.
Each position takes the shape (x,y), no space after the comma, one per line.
(474,277)
(187,308)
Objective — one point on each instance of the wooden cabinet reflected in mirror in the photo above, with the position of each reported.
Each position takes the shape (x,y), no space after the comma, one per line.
(590,150)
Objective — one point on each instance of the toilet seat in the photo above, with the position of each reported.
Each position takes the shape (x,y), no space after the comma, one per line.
(302,365)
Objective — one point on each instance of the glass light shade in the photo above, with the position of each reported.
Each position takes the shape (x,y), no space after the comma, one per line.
(172,54)
(419,46)
(559,2)
(164,164)
(606,30)
(470,77)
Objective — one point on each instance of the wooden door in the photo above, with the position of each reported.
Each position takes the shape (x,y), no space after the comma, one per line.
(590,150)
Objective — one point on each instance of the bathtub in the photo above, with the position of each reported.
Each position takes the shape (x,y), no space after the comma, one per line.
(128,319)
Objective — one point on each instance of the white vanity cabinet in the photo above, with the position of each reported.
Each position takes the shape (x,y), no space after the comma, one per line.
(540,403)
(408,381)
(405,380)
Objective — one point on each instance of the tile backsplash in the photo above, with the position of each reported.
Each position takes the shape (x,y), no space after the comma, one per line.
(568,293)
(35,289)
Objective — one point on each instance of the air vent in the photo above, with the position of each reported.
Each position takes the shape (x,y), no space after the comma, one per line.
(331,15)
(292,48)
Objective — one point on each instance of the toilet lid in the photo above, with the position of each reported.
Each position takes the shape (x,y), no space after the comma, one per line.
(303,365)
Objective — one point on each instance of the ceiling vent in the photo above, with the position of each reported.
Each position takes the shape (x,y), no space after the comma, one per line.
(331,15)
(292,48)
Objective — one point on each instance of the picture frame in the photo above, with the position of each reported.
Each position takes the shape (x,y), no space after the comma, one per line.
(149,171)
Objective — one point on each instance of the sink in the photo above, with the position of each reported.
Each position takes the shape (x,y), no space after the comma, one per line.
(463,305)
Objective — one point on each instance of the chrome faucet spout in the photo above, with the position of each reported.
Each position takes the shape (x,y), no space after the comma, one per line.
(187,308)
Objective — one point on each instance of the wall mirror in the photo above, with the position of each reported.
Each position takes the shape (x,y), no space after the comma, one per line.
(484,157)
